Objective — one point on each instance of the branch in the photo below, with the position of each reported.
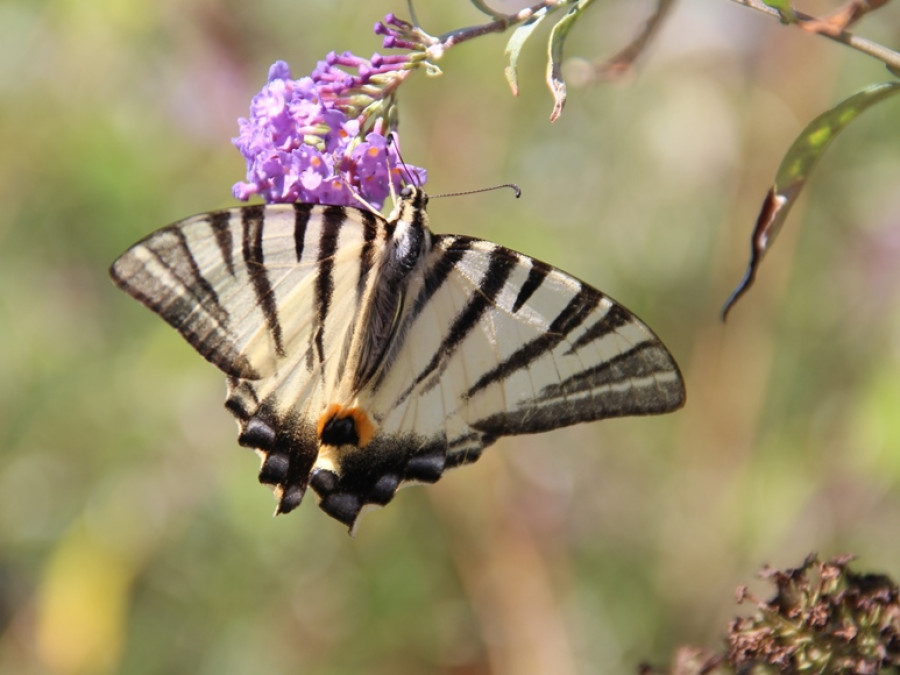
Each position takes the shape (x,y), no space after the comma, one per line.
(887,56)
(500,24)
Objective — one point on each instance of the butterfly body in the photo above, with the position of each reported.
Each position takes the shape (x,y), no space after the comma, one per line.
(363,353)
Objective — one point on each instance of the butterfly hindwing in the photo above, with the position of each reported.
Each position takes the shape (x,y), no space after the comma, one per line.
(269,295)
(490,343)
(365,353)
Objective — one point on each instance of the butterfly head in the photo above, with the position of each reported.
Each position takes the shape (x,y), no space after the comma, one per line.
(410,237)
(414,196)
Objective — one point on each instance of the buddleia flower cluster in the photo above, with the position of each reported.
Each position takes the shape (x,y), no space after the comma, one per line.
(331,137)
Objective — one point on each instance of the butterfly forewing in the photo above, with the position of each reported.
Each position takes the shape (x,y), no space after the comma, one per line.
(529,348)
(225,279)
(363,353)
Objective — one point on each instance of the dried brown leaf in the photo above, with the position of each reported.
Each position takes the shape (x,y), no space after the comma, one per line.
(839,20)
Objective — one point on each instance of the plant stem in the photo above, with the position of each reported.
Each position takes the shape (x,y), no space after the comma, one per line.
(500,24)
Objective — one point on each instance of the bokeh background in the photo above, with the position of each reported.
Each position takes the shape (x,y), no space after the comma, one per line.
(134,537)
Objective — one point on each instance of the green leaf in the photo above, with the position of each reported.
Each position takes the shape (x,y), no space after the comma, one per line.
(796,168)
(514,47)
(784,9)
(554,52)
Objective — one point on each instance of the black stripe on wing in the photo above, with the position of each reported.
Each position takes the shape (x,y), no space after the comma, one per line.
(193,277)
(334,217)
(252,218)
(434,276)
(643,361)
(302,213)
(162,273)
(572,316)
(593,394)
(369,251)
(615,318)
(380,316)
(500,266)
(536,276)
(220,222)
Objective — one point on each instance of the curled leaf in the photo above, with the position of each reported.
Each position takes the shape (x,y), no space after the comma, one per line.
(794,171)
(514,47)
(554,54)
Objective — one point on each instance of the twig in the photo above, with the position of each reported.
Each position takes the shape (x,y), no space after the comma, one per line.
(887,56)
(500,24)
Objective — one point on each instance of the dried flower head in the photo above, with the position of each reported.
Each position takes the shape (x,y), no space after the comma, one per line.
(823,619)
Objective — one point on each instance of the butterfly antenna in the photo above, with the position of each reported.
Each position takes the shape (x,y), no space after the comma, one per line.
(512,186)
(387,163)
(409,177)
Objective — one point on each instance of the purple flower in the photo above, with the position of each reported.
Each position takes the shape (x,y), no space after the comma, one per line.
(324,138)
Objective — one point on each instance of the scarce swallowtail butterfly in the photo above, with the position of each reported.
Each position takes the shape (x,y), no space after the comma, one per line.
(363,353)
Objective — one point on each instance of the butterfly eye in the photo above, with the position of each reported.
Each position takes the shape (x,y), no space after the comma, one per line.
(407,191)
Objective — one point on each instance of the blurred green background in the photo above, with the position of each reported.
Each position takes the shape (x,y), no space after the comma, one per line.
(134,537)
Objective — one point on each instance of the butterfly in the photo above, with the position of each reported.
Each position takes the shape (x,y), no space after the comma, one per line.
(364,352)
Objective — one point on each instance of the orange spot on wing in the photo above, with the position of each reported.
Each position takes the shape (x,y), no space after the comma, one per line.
(365,427)
(331,411)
